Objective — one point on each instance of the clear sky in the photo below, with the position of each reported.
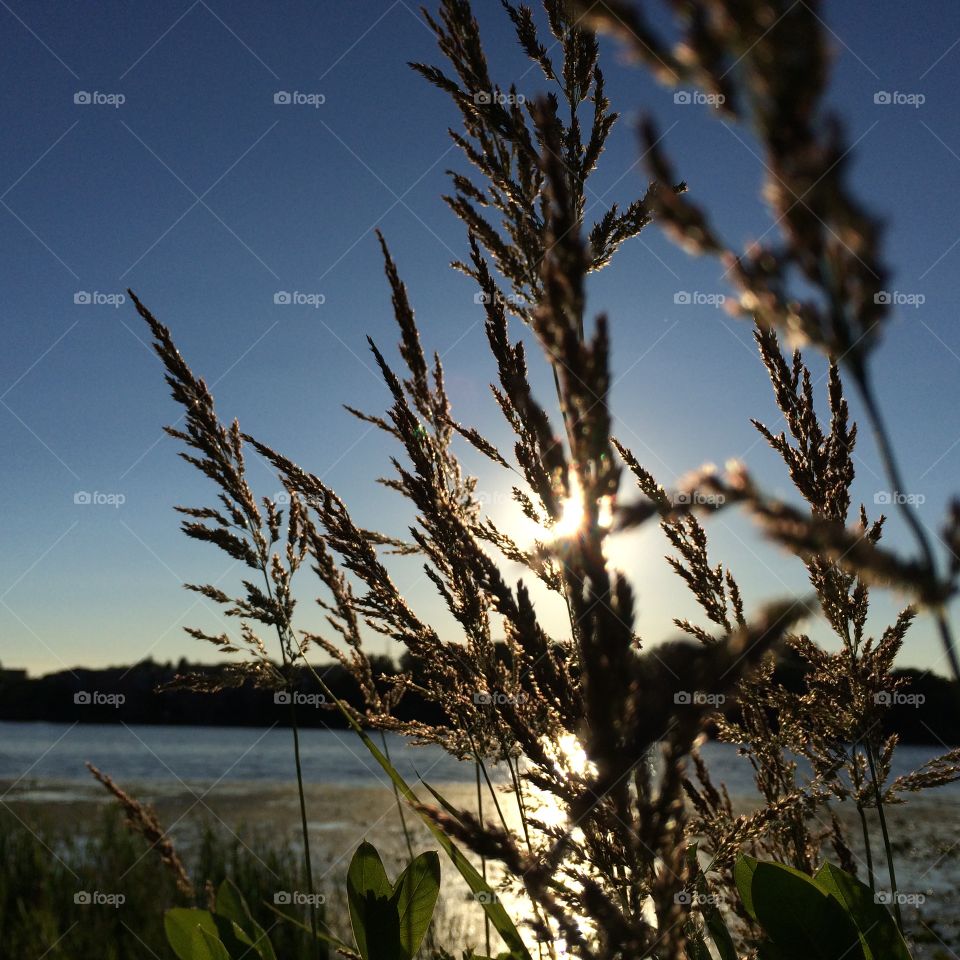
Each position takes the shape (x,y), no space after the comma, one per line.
(208,198)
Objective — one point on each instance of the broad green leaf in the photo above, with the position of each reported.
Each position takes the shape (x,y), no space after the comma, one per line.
(499,918)
(373,911)
(415,894)
(367,872)
(800,918)
(230,904)
(879,936)
(189,933)
(217,950)
(743,871)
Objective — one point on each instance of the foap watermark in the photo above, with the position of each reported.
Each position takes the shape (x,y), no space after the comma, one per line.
(484,896)
(698,98)
(297,898)
(297,98)
(493,498)
(897,98)
(497,698)
(888,497)
(698,698)
(298,699)
(691,898)
(697,498)
(694,298)
(894,698)
(95,498)
(901,898)
(96,298)
(285,298)
(897,298)
(511,299)
(486,97)
(95,98)
(96,898)
(97,698)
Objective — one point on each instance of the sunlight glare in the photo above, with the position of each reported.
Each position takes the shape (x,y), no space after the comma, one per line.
(573,513)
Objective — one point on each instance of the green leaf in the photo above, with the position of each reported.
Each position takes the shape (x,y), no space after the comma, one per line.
(373,912)
(743,871)
(190,934)
(879,936)
(230,904)
(217,950)
(446,804)
(715,924)
(415,894)
(801,919)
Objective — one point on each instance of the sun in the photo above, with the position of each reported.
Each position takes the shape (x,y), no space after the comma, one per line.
(573,514)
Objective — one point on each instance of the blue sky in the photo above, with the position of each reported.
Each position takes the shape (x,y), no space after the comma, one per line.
(208,198)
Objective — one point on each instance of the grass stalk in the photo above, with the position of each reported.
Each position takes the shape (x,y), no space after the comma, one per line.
(483,860)
(888,849)
(396,797)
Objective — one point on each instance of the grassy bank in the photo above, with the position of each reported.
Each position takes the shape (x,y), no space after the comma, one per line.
(51,868)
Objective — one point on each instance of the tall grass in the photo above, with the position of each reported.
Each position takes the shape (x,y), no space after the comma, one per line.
(579,716)
(47,864)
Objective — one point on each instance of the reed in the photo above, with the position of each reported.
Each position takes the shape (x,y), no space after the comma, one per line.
(605,726)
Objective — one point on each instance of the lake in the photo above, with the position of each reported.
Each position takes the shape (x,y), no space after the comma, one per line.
(156,755)
(240,781)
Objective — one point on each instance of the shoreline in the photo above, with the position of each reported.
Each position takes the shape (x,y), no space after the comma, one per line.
(925,832)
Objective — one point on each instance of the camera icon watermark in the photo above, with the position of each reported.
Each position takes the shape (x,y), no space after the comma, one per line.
(86,498)
(86,98)
(902,899)
(96,298)
(698,698)
(686,98)
(497,698)
(899,299)
(484,896)
(696,498)
(296,898)
(511,299)
(487,97)
(297,699)
(691,898)
(95,898)
(95,698)
(285,298)
(896,98)
(888,497)
(894,698)
(295,98)
(492,498)
(686,298)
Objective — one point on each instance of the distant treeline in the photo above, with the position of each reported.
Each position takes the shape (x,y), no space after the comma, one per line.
(927,711)
(136,694)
